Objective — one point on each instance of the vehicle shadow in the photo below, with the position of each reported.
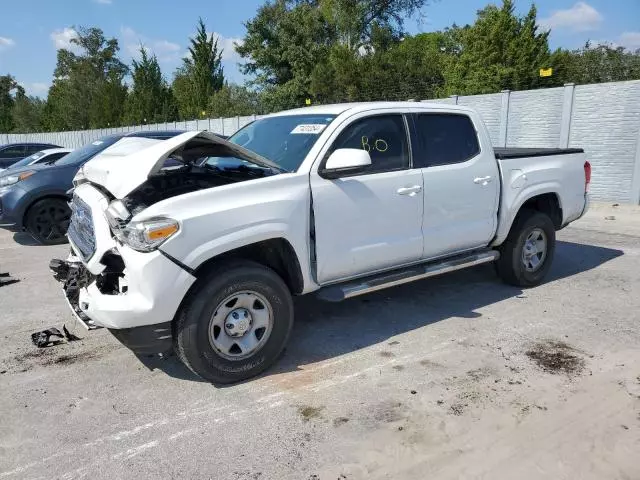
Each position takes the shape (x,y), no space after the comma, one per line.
(324,330)
(26,240)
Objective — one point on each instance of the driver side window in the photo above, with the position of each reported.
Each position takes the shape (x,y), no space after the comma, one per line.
(383,136)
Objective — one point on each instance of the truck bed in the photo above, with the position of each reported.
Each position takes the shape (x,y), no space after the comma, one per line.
(506,153)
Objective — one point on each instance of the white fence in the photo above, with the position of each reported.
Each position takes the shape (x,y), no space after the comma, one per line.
(604,119)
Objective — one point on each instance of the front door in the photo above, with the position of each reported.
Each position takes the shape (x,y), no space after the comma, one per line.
(372,220)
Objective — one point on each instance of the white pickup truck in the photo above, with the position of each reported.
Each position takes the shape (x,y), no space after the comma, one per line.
(340,200)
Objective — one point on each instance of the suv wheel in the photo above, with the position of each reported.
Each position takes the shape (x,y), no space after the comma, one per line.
(48,220)
(527,253)
(235,324)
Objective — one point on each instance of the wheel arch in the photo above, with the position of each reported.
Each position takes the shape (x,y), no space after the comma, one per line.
(276,253)
(547,202)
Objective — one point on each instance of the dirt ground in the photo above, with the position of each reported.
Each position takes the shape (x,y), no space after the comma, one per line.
(453,377)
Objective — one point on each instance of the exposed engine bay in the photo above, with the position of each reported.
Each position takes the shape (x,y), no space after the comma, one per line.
(195,166)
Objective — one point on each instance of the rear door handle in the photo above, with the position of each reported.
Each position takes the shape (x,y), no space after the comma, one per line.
(411,191)
(483,180)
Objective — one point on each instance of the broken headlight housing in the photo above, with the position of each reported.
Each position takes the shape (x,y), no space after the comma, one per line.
(142,235)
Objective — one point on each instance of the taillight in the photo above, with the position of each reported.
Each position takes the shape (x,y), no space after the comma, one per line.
(587,176)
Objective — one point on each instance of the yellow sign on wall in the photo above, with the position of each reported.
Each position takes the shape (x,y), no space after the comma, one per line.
(546,72)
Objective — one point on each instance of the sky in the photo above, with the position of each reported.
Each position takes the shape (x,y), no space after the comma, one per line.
(32,30)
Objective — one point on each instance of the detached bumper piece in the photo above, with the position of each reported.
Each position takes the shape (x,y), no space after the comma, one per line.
(73,276)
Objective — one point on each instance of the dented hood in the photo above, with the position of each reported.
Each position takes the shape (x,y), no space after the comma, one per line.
(128,163)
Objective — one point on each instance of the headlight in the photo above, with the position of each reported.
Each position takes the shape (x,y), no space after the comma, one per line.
(147,235)
(144,235)
(13,179)
(79,179)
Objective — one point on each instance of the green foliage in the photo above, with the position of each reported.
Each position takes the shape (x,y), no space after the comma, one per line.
(499,51)
(323,50)
(292,47)
(27,114)
(150,99)
(88,89)
(596,64)
(200,76)
(8,86)
(234,100)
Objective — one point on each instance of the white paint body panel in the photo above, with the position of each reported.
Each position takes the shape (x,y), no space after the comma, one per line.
(525,178)
(362,224)
(461,201)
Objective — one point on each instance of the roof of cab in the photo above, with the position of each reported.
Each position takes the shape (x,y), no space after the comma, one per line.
(338,108)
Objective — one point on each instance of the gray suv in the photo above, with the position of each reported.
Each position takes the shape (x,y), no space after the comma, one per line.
(34,198)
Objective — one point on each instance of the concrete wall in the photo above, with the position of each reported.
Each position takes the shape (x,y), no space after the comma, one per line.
(604,119)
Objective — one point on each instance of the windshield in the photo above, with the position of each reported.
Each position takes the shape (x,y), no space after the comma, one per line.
(83,154)
(27,161)
(284,140)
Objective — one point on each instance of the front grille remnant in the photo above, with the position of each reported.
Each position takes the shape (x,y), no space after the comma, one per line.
(81,231)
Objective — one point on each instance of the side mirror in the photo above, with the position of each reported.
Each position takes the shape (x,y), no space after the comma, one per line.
(344,162)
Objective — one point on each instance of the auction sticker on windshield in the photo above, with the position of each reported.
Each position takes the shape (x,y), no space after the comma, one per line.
(309,128)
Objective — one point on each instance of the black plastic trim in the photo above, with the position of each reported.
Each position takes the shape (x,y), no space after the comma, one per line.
(507,153)
(145,340)
(189,270)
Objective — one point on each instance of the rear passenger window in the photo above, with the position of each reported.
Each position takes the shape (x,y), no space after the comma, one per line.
(383,136)
(31,149)
(14,151)
(445,139)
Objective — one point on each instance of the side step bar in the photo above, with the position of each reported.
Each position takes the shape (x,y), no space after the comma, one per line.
(372,283)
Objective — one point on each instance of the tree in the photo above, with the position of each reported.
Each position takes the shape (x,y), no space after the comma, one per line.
(595,64)
(499,51)
(292,46)
(88,89)
(28,114)
(233,100)
(150,98)
(8,88)
(200,76)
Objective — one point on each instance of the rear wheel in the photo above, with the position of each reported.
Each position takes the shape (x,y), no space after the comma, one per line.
(527,253)
(235,324)
(48,220)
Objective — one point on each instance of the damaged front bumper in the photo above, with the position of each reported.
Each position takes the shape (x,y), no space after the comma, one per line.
(136,311)
(107,284)
(73,276)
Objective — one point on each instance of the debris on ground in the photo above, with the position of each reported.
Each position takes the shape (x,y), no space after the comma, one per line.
(43,339)
(5,279)
(68,335)
(556,357)
(610,217)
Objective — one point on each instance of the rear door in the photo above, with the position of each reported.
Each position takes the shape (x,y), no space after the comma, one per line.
(371,220)
(461,182)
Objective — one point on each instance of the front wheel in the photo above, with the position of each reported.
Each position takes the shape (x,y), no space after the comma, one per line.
(48,220)
(527,253)
(235,324)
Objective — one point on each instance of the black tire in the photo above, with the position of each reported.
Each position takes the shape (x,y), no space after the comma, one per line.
(47,221)
(511,267)
(191,328)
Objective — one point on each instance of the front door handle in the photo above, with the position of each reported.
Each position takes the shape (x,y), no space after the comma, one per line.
(411,191)
(483,180)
